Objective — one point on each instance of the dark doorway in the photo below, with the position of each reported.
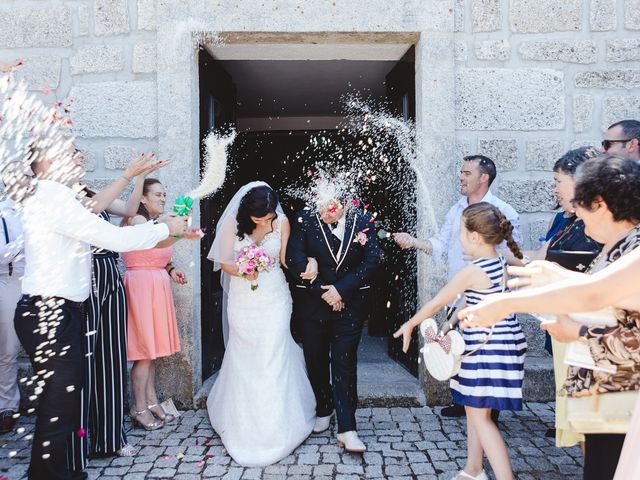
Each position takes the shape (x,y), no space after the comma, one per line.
(265,151)
(217,112)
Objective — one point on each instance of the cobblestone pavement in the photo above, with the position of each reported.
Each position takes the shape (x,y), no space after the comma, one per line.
(403,443)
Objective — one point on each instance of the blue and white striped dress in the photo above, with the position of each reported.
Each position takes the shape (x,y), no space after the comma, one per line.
(492,376)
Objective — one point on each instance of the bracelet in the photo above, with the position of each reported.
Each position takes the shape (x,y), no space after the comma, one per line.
(171,269)
(128,179)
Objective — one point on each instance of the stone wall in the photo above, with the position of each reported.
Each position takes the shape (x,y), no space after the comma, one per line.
(519,80)
(538,77)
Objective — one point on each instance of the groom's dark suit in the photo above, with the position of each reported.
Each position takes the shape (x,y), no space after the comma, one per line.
(330,337)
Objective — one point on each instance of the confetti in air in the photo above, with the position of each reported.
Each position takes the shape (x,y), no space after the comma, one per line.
(215,164)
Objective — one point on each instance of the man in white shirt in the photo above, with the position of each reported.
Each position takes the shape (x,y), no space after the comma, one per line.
(57,281)
(11,271)
(476,176)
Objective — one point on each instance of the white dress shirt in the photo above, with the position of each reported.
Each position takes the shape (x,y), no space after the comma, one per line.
(58,234)
(447,240)
(12,252)
(339,233)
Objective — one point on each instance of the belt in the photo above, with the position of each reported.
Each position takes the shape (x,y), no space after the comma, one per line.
(35,298)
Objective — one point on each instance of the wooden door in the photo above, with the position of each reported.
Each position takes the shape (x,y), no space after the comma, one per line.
(399,273)
(217,112)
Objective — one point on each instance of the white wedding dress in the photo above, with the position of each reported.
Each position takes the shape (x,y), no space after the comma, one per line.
(262,404)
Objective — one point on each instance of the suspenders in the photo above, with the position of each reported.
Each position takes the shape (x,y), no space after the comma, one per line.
(6,239)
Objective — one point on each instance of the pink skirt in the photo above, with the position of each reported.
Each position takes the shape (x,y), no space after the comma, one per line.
(152,328)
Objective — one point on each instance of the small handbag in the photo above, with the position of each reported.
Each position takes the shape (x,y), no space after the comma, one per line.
(601,413)
(443,350)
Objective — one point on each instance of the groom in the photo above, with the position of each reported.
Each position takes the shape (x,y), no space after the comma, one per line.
(332,307)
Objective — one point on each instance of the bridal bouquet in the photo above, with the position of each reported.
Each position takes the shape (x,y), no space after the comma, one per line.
(251,260)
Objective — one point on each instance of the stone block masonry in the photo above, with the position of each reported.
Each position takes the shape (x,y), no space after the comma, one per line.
(543,16)
(582,51)
(504,152)
(96,59)
(509,99)
(115,109)
(47,26)
(623,50)
(111,17)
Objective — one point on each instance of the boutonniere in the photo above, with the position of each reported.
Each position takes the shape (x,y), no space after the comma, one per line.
(361,237)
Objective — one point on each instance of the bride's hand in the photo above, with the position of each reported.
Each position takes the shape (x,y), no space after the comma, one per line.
(252,277)
(311,271)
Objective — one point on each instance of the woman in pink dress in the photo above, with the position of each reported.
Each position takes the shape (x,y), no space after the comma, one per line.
(152,327)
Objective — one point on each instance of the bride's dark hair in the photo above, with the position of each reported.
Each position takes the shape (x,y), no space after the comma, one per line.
(257,202)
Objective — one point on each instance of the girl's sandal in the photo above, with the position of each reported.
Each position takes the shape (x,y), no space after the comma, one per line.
(165,417)
(465,475)
(147,426)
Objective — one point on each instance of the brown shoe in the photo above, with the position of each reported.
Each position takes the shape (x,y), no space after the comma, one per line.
(7,421)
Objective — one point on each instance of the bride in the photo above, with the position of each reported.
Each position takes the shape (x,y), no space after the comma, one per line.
(262,404)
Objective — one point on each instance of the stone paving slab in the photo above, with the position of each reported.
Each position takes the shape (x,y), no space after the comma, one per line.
(403,443)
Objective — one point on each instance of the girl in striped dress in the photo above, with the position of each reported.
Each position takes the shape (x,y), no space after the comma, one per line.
(491,375)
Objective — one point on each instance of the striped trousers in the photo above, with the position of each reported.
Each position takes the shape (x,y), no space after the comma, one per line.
(105,345)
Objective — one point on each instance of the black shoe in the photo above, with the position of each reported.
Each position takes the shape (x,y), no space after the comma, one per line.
(7,421)
(495,414)
(453,411)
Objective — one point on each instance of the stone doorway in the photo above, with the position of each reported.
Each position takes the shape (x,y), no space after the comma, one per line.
(379,26)
(280,99)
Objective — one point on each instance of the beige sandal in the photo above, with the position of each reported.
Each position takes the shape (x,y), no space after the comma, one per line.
(127,450)
(148,426)
(165,417)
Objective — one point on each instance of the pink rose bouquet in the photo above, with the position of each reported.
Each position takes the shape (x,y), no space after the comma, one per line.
(251,260)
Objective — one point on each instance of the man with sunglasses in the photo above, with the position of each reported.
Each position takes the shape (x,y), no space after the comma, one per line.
(623,138)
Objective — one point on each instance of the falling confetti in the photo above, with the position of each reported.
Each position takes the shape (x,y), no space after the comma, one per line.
(215,164)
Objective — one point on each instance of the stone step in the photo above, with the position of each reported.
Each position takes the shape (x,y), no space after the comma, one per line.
(384,383)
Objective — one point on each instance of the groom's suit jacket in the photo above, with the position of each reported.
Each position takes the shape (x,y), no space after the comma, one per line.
(350,272)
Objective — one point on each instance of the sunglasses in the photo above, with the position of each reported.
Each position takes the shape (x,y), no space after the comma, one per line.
(606,144)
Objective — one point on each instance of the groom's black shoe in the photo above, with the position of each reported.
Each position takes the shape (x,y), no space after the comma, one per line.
(453,411)
(458,411)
